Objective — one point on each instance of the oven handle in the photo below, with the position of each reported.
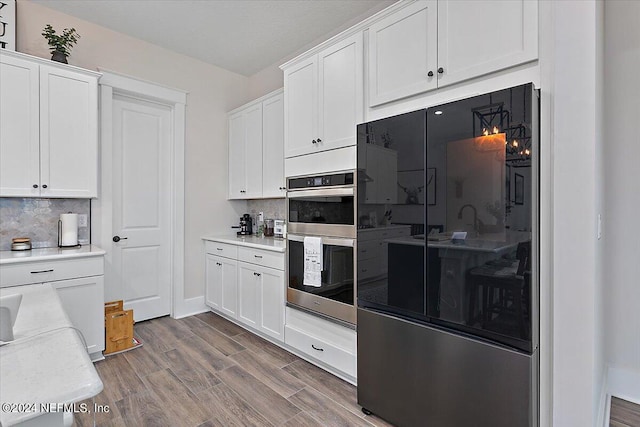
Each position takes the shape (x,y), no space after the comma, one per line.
(321,192)
(335,241)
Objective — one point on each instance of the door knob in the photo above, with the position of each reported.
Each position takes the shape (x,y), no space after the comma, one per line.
(118,238)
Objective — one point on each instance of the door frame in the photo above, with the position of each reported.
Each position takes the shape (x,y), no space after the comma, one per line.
(111,84)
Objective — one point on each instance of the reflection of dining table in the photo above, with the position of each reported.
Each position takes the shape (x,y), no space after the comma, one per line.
(456,258)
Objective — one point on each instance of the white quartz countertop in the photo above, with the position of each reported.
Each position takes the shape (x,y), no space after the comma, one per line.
(266,243)
(46,254)
(47,361)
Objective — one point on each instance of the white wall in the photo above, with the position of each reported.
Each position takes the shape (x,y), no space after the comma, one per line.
(622,186)
(577,345)
(212,92)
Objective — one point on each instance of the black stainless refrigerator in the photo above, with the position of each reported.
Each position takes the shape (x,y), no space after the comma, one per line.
(448,323)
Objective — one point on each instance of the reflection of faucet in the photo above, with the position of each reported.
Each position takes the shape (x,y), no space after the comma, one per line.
(475,215)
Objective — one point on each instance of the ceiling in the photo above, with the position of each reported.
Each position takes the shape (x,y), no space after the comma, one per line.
(243,36)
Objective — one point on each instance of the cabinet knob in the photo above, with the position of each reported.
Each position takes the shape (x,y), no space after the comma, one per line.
(44,185)
(217,263)
(314,141)
(256,274)
(440,70)
(430,73)
(35,185)
(319,140)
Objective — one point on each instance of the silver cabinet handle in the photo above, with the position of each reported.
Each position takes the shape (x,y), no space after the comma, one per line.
(218,249)
(42,271)
(258,256)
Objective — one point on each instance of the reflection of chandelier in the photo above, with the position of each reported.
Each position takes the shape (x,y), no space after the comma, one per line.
(493,119)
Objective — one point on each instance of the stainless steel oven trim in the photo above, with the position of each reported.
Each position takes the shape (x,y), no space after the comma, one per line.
(335,309)
(322,192)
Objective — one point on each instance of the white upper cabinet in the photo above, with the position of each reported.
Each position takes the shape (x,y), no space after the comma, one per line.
(256,144)
(324,98)
(434,43)
(245,153)
(403,53)
(49,132)
(476,38)
(273,147)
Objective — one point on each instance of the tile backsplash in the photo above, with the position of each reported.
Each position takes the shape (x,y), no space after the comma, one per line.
(38,220)
(272,208)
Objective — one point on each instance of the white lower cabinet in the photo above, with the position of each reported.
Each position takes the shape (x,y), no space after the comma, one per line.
(79,283)
(247,285)
(83,300)
(323,341)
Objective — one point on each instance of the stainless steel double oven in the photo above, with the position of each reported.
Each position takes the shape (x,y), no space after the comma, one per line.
(323,206)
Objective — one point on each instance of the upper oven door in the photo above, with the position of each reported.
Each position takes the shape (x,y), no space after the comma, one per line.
(322,211)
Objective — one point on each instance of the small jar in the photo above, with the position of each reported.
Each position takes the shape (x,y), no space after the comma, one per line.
(268,228)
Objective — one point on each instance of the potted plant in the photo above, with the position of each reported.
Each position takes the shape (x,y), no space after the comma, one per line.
(60,45)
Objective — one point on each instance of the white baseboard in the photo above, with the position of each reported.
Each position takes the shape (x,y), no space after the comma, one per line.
(189,307)
(624,384)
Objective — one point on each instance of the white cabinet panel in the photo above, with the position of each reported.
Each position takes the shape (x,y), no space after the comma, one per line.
(300,105)
(236,156)
(213,282)
(402,52)
(83,301)
(272,303)
(229,287)
(476,38)
(68,133)
(273,147)
(253,152)
(340,89)
(19,128)
(248,294)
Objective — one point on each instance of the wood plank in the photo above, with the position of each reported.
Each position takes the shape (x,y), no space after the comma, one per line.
(276,378)
(145,360)
(229,409)
(331,386)
(118,377)
(266,350)
(217,339)
(624,412)
(86,419)
(303,419)
(180,404)
(150,337)
(220,323)
(143,408)
(195,375)
(207,355)
(267,402)
(325,410)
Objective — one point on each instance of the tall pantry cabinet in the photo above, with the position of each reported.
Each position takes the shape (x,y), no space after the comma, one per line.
(48,128)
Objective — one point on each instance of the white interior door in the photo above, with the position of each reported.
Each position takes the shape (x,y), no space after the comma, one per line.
(141,265)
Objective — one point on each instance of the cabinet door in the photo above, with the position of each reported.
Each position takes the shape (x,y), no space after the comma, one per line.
(213,282)
(272,303)
(19,128)
(83,301)
(237,167)
(402,52)
(253,151)
(68,133)
(476,38)
(340,93)
(300,106)
(273,147)
(229,287)
(249,294)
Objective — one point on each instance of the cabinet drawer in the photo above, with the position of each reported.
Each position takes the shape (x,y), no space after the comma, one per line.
(264,258)
(368,250)
(321,350)
(329,332)
(221,249)
(50,271)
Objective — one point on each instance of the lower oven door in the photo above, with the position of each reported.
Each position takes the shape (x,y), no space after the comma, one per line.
(335,297)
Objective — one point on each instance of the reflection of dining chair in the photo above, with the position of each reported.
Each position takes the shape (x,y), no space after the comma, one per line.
(504,287)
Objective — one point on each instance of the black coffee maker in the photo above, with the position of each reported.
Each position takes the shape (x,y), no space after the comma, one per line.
(246,225)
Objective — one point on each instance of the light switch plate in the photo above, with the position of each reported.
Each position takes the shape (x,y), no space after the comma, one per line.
(82,220)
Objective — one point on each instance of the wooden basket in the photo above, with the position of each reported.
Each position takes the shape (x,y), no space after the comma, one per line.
(119,327)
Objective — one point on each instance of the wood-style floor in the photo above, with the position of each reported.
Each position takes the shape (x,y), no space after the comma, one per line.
(624,414)
(206,371)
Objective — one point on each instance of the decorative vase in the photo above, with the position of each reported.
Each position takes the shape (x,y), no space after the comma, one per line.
(59,57)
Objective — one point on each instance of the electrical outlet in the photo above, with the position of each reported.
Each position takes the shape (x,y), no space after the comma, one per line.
(82,220)
(260,216)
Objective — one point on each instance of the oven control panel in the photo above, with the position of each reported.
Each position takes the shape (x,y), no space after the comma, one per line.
(320,181)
